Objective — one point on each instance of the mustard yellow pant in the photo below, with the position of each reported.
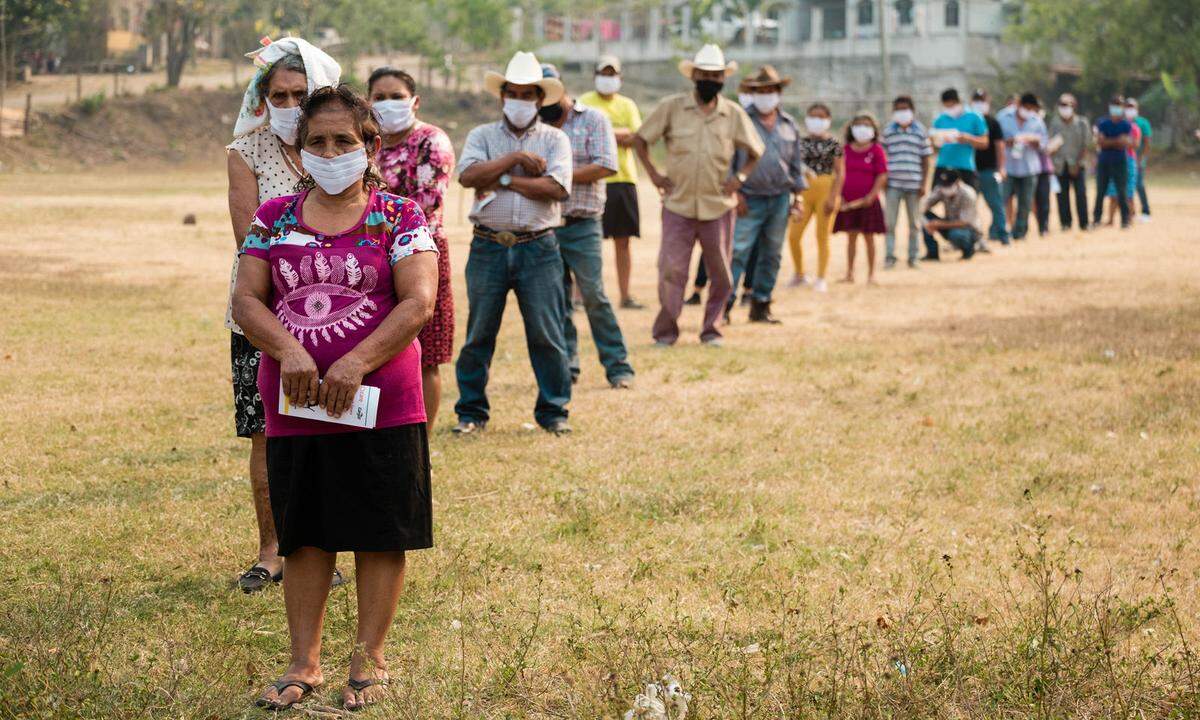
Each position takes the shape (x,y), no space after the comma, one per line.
(814,197)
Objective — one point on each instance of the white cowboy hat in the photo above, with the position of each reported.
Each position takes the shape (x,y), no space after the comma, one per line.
(709,57)
(524,69)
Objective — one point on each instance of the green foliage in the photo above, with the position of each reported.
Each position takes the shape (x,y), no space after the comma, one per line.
(92,104)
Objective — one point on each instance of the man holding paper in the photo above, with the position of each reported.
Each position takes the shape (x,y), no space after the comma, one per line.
(958,133)
(1024,162)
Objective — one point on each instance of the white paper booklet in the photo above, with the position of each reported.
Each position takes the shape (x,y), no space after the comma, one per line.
(361,413)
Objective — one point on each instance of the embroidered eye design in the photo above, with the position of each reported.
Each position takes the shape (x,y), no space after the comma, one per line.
(328,294)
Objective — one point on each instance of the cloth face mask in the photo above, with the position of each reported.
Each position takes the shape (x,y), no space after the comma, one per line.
(765,102)
(334,175)
(520,112)
(903,117)
(395,116)
(607,84)
(1066,111)
(816,125)
(708,89)
(746,100)
(862,133)
(954,110)
(284,122)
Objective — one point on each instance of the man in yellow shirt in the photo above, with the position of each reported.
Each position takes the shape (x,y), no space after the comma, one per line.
(621,219)
(701,130)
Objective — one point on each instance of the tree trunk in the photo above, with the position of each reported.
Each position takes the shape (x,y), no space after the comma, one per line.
(181,37)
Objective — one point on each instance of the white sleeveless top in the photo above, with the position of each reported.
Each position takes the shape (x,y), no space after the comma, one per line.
(263,152)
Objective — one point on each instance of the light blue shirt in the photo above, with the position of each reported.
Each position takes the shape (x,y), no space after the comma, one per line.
(1025,160)
(961,155)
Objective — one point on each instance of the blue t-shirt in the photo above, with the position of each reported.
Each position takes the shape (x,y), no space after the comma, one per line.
(1110,128)
(959,156)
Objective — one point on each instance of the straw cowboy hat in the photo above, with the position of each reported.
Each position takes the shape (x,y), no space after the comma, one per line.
(524,69)
(766,76)
(710,58)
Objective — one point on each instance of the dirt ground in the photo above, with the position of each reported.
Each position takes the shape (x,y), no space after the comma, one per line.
(971,491)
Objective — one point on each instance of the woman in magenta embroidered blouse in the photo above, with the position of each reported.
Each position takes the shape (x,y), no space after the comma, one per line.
(334,285)
(416,163)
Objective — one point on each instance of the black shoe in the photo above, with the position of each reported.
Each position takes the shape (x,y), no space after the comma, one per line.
(760,312)
(257,578)
(558,427)
(469,427)
(694,299)
(747,298)
(725,315)
(574,378)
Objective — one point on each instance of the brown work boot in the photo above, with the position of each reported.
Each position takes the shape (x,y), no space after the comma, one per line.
(761,312)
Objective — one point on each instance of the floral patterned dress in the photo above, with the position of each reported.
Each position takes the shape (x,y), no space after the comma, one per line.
(419,168)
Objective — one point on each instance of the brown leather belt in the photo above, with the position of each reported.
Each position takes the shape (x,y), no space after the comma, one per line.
(508,238)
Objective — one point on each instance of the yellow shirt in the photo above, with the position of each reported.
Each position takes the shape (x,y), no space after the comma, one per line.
(700,151)
(623,113)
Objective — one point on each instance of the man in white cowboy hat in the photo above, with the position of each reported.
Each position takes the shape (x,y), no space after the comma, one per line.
(520,169)
(701,130)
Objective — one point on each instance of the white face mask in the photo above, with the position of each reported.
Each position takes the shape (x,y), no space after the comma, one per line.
(1131,113)
(608,84)
(862,133)
(903,117)
(746,100)
(333,175)
(765,102)
(954,110)
(284,122)
(980,107)
(1114,110)
(816,125)
(1024,114)
(395,116)
(520,112)
(1066,111)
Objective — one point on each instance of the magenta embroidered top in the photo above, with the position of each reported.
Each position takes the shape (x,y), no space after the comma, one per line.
(332,291)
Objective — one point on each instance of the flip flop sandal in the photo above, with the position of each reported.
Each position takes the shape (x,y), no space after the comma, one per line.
(280,686)
(359,685)
(257,578)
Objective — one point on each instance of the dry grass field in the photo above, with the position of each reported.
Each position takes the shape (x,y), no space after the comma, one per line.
(970,492)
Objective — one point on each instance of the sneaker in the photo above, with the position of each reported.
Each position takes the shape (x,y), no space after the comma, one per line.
(558,427)
(983,248)
(1144,218)
(694,299)
(889,263)
(713,342)
(800,281)
(912,264)
(820,286)
(469,427)
(623,382)
(631,304)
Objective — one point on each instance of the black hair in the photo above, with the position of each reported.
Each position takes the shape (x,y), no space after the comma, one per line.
(540,90)
(389,71)
(904,100)
(1030,99)
(945,176)
(818,106)
(364,121)
(979,94)
(862,115)
(949,95)
(1116,100)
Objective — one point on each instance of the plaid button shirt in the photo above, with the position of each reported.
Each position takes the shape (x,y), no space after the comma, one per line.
(592,143)
(509,210)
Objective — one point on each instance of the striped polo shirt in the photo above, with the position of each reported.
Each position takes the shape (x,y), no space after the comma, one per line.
(905,147)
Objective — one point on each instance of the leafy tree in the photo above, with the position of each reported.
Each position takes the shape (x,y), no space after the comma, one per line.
(179,22)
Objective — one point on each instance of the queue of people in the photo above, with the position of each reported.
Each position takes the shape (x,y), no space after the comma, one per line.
(342,277)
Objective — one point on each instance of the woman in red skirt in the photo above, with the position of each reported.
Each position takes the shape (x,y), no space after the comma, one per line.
(864,175)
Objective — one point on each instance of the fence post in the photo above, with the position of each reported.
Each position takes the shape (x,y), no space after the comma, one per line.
(116,78)
(78,84)
(28,111)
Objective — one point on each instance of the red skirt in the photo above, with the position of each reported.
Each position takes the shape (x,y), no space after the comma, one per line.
(864,219)
(437,337)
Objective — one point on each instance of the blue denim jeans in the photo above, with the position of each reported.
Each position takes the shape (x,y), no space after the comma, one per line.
(1023,188)
(912,201)
(961,237)
(763,226)
(579,243)
(1115,170)
(1141,187)
(989,186)
(534,271)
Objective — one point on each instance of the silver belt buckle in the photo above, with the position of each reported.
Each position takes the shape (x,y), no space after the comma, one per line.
(506,238)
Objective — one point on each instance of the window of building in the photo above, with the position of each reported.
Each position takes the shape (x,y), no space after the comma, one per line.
(866,12)
(951,13)
(804,22)
(904,12)
(833,21)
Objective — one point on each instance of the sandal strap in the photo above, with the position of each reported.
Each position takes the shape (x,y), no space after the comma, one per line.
(258,572)
(281,685)
(360,685)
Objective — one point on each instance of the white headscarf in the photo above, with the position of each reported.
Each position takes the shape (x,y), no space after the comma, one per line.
(321,69)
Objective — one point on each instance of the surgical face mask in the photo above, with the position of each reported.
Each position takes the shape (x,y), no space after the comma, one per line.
(816,125)
(608,84)
(520,112)
(1115,110)
(284,122)
(903,117)
(954,110)
(395,116)
(746,100)
(333,175)
(765,102)
(1024,114)
(862,133)
(1130,113)
(980,107)
(708,89)
(1066,111)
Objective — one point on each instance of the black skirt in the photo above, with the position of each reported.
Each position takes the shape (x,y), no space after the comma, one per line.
(621,217)
(367,490)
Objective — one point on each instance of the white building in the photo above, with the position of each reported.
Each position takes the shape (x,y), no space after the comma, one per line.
(831,48)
